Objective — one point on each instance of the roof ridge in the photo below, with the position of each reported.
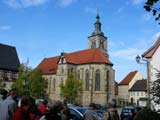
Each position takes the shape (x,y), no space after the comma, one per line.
(7,45)
(128,78)
(154,46)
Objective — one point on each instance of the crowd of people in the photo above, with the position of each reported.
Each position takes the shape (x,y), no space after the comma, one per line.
(48,110)
(28,110)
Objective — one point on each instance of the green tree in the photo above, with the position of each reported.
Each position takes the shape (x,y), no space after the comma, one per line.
(71,90)
(155,90)
(37,84)
(30,82)
(1,84)
(21,83)
(154,7)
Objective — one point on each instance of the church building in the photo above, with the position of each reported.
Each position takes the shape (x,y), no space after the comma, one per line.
(91,65)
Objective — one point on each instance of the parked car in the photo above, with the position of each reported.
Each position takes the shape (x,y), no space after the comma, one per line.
(127,113)
(100,113)
(76,113)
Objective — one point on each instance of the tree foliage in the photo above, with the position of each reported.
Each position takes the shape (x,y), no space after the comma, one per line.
(1,84)
(30,82)
(154,7)
(155,90)
(71,90)
(147,114)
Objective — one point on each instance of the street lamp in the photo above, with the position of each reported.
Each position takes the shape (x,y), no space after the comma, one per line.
(138,60)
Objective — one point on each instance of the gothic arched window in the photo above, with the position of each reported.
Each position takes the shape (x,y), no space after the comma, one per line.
(93,45)
(107,81)
(78,74)
(97,80)
(54,84)
(87,80)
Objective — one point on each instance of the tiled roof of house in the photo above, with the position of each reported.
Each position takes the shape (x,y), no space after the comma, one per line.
(128,78)
(149,53)
(94,55)
(139,85)
(49,65)
(8,58)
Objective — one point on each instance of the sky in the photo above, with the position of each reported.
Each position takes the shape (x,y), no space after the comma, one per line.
(45,28)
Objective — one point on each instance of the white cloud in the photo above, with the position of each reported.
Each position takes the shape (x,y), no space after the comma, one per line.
(65,3)
(24,3)
(146,17)
(120,9)
(5,27)
(129,53)
(137,49)
(137,2)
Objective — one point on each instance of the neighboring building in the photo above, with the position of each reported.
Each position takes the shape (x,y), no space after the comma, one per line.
(138,93)
(125,85)
(92,66)
(152,56)
(9,63)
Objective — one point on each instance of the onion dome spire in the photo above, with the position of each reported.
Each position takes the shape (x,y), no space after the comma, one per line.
(97,26)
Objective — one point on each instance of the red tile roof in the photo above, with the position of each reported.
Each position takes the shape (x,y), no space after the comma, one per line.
(94,55)
(149,53)
(49,65)
(128,78)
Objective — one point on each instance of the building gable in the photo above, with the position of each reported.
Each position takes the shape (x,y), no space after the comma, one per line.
(62,59)
(128,78)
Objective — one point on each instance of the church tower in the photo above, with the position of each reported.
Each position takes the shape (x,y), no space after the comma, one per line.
(97,38)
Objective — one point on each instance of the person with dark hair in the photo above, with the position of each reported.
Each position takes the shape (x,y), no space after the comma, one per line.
(136,111)
(65,113)
(22,113)
(54,112)
(3,93)
(43,107)
(9,105)
(112,113)
(90,114)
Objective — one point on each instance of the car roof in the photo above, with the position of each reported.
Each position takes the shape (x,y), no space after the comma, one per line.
(129,107)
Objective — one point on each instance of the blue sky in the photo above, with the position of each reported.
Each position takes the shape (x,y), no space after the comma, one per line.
(45,28)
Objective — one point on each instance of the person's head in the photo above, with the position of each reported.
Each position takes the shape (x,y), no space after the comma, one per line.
(27,102)
(58,105)
(112,103)
(45,102)
(4,93)
(13,93)
(65,102)
(137,110)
